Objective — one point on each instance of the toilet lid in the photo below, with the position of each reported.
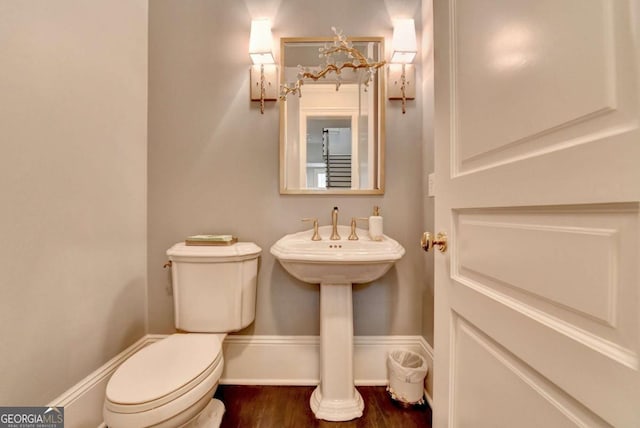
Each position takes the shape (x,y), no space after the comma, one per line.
(165,369)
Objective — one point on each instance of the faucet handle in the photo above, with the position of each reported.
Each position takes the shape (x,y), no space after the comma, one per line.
(354,236)
(316,235)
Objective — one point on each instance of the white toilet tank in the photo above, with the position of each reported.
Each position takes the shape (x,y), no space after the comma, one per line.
(214,287)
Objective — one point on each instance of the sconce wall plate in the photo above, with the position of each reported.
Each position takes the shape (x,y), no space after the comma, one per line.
(402,75)
(394,82)
(263,82)
(270,82)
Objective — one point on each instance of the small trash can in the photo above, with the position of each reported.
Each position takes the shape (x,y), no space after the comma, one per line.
(407,371)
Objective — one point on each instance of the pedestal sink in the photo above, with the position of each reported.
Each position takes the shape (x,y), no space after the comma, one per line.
(336,265)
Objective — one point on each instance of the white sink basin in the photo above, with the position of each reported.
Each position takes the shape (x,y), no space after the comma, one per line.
(336,262)
(335,265)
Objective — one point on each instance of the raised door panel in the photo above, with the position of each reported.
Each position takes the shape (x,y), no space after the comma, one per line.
(506,391)
(530,78)
(558,287)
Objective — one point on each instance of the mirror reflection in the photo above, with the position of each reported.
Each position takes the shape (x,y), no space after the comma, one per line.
(331,141)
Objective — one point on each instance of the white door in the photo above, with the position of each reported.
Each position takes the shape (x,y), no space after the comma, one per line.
(537,310)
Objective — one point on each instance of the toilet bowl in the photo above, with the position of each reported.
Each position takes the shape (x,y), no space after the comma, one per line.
(171,383)
(166,384)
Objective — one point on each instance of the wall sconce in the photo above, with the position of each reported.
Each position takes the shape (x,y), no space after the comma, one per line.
(402,74)
(263,79)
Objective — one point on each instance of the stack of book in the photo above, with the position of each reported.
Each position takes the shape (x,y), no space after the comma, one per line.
(211,240)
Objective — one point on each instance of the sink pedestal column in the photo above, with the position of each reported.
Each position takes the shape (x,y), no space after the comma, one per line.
(336,398)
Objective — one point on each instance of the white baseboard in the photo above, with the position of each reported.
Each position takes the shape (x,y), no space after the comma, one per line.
(427,353)
(252,360)
(83,402)
(295,360)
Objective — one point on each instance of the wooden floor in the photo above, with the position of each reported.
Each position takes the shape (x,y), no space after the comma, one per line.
(288,407)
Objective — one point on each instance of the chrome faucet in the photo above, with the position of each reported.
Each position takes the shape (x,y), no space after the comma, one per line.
(334,224)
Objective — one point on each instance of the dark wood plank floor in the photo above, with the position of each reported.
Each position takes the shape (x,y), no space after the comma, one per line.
(288,407)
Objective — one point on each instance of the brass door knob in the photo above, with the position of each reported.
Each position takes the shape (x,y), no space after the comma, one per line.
(427,242)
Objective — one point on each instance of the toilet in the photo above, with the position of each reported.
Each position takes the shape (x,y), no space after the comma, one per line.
(171,383)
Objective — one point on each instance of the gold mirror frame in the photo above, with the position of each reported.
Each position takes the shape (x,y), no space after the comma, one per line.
(379,121)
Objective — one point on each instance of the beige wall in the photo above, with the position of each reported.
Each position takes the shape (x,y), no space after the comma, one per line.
(427,158)
(213,160)
(427,95)
(74,176)
(73,85)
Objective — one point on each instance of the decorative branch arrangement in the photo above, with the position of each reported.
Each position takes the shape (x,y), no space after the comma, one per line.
(357,61)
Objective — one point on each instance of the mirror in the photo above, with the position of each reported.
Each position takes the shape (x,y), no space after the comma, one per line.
(332,139)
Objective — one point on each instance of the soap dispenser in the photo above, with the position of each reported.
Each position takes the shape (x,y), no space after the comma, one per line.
(375,224)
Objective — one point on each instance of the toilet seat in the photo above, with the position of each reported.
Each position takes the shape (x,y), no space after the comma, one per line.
(164,379)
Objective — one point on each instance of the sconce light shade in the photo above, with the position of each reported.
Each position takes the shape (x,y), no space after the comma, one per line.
(261,42)
(404,44)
